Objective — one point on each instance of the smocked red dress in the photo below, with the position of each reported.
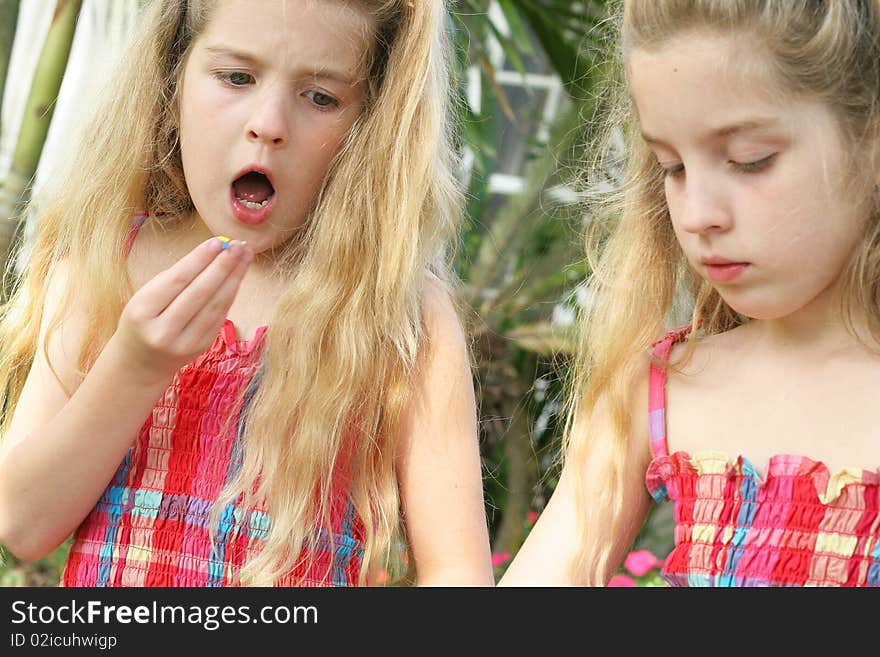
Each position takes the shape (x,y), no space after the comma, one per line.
(799,526)
(150,526)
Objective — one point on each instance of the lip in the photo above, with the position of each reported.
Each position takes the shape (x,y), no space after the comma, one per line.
(721,270)
(247,215)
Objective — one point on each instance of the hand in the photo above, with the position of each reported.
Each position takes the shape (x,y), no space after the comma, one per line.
(176,315)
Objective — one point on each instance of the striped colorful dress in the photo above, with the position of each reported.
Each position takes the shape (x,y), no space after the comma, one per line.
(150,526)
(799,526)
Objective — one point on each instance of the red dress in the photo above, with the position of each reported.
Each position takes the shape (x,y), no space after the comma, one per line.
(150,526)
(799,526)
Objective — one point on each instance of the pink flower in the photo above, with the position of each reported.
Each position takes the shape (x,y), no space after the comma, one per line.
(622,580)
(640,562)
(499,558)
(532,517)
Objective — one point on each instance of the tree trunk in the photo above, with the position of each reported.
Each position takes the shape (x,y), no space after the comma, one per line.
(522,477)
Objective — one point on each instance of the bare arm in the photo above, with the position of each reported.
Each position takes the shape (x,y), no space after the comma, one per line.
(60,452)
(546,556)
(440,470)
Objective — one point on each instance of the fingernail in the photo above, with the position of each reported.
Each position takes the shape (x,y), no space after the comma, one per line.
(233,248)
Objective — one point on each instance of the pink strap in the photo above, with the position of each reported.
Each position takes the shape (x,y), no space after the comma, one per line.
(136,224)
(657,389)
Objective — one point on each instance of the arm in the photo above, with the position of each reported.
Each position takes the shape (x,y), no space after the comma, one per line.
(439,465)
(551,547)
(59,452)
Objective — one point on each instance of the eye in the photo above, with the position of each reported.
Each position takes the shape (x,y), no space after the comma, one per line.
(753,167)
(320,99)
(236,78)
(673,171)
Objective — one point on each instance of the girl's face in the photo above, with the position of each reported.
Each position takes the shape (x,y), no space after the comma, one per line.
(755,187)
(269,93)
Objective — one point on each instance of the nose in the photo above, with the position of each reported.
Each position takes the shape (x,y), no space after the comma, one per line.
(704,208)
(268,120)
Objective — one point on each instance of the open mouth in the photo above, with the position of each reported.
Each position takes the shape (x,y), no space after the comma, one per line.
(253,190)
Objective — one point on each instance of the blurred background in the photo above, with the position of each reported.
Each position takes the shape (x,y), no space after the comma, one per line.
(528,73)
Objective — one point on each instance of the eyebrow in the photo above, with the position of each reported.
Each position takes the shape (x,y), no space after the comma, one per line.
(725,131)
(320,72)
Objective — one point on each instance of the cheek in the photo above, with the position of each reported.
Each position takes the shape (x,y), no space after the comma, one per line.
(336,131)
(190,112)
(320,141)
(774,210)
(204,113)
(815,221)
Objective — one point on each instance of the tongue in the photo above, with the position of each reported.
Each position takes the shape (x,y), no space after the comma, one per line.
(253,187)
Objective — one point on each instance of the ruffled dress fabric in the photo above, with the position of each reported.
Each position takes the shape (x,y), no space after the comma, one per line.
(799,526)
(151,525)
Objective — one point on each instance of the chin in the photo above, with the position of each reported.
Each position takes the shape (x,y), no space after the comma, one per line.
(760,308)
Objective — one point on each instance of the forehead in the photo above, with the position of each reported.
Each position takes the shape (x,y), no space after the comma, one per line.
(317,30)
(700,80)
(700,87)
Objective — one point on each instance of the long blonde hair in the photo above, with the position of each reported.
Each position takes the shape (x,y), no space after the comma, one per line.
(641,281)
(346,338)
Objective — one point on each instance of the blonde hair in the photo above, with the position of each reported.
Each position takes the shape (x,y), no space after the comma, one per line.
(641,281)
(346,340)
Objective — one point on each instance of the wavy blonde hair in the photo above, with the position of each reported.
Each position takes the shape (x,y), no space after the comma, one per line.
(346,338)
(642,283)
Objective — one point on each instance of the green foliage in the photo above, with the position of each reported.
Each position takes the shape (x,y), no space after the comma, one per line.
(44,572)
(520,258)
(40,105)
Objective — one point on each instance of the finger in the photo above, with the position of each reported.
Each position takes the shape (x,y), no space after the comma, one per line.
(205,324)
(203,289)
(160,291)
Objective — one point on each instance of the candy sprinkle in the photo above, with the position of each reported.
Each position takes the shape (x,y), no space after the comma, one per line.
(225,241)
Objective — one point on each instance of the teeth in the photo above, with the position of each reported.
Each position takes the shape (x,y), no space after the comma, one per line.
(251,205)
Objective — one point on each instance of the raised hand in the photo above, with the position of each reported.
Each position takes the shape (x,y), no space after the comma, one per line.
(176,315)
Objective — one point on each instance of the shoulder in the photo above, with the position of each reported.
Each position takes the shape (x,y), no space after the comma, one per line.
(66,306)
(54,372)
(66,301)
(671,342)
(443,376)
(441,319)
(691,356)
(57,287)
(154,247)
(639,403)
(442,393)
(594,429)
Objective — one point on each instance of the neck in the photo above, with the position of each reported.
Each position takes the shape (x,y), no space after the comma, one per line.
(193,231)
(820,326)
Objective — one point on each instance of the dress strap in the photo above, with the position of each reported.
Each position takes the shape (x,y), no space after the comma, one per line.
(136,223)
(657,389)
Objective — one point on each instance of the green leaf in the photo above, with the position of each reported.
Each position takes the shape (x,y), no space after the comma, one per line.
(518,30)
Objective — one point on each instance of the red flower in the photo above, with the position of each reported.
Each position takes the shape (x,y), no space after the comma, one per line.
(499,558)
(622,580)
(640,562)
(532,517)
